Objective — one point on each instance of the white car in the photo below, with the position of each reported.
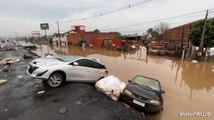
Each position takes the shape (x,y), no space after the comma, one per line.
(69,68)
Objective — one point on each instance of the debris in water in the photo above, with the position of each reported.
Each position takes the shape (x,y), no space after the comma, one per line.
(2,81)
(5,110)
(194,61)
(41,92)
(63,110)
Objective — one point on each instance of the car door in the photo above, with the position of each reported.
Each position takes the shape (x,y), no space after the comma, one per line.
(76,70)
(94,70)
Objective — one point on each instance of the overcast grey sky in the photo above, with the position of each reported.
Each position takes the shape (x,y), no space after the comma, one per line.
(24,16)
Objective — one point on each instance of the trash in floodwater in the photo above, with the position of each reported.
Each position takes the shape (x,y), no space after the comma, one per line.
(63,110)
(41,92)
(13,86)
(194,61)
(111,86)
(2,81)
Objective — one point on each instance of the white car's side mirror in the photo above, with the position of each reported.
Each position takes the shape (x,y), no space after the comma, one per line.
(75,63)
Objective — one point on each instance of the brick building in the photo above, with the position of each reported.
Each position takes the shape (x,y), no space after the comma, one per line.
(178,34)
(97,39)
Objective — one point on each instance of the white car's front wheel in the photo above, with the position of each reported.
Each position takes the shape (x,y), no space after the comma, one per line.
(55,80)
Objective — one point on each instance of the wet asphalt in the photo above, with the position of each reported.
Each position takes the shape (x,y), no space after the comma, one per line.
(19,98)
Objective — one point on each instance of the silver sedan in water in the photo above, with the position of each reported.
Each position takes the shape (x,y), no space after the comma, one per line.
(56,70)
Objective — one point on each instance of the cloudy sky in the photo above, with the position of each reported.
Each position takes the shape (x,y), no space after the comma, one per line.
(24,16)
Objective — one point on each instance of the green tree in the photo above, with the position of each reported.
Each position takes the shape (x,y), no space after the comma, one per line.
(117,34)
(196,32)
(96,30)
(152,33)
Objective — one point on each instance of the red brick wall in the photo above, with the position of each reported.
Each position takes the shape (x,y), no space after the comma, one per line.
(95,38)
(80,30)
(175,34)
(73,38)
(96,42)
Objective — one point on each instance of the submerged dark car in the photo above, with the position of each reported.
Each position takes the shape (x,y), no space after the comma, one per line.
(144,93)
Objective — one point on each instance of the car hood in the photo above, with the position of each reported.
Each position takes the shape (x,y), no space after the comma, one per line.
(46,61)
(143,92)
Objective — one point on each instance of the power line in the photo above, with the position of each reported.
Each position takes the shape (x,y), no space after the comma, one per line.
(144,30)
(110,12)
(132,25)
(152,21)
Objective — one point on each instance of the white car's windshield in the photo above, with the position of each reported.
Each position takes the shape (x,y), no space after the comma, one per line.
(68,58)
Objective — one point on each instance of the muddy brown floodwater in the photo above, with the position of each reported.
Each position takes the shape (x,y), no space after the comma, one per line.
(189,86)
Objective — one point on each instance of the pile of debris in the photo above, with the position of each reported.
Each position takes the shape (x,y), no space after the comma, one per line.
(111,86)
(5,63)
(10,60)
(7,48)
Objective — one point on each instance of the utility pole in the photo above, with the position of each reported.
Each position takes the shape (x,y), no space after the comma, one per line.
(16,36)
(200,51)
(182,48)
(59,33)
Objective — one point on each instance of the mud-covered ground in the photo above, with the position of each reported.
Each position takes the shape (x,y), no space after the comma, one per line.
(19,98)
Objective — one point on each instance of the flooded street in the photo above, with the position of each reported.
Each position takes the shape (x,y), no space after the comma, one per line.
(189,86)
